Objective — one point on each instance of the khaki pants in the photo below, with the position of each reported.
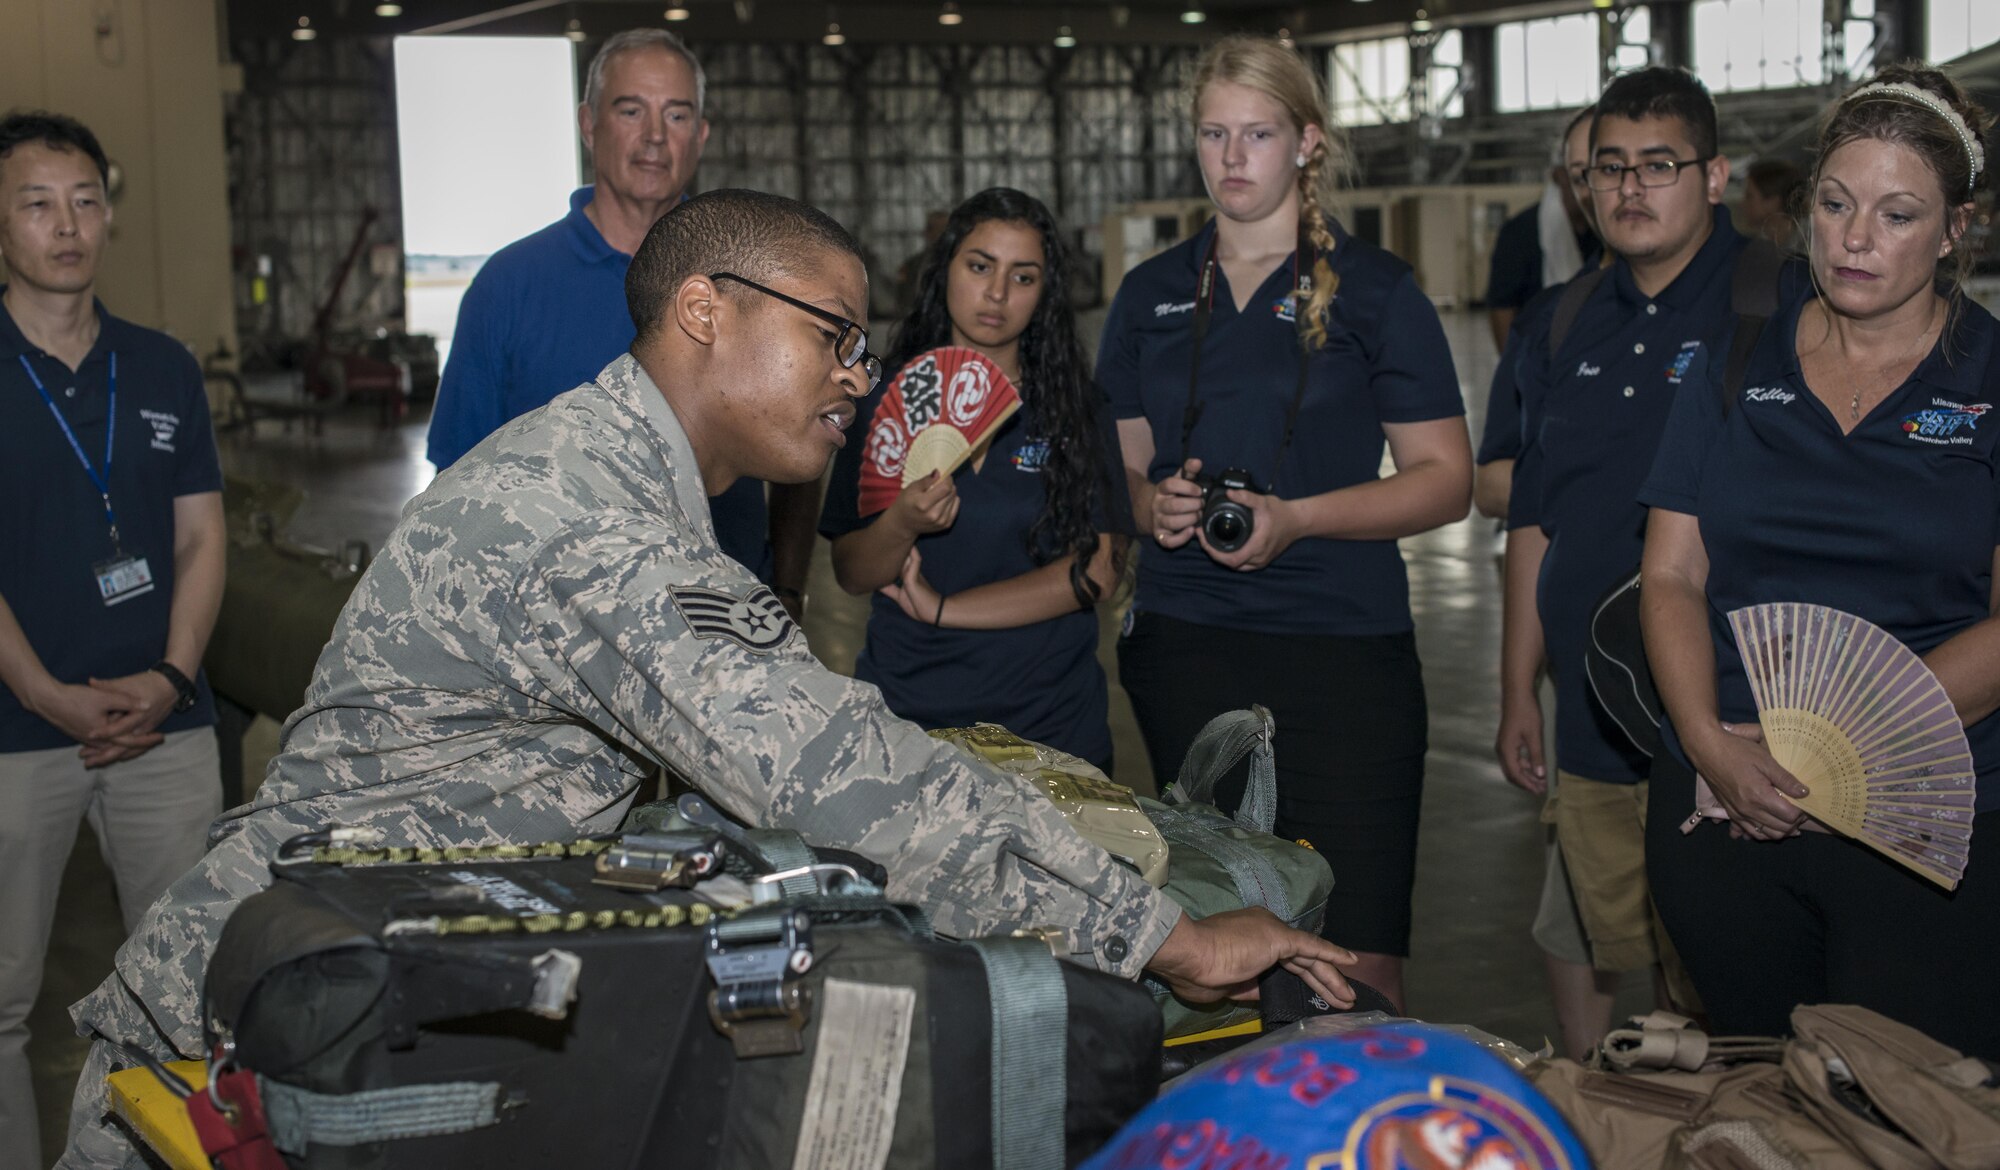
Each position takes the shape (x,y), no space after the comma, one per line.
(1602,829)
(151,817)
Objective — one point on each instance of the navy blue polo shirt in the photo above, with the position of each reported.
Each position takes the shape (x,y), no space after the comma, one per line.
(1500,435)
(1385,361)
(1041,681)
(1592,421)
(163,448)
(1895,522)
(544,315)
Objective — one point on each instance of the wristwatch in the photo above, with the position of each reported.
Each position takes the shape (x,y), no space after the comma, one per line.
(184,694)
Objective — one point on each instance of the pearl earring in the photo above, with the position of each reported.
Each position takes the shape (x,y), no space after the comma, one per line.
(1299,162)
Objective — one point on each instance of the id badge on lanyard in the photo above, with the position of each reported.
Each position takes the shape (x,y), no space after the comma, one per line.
(119,577)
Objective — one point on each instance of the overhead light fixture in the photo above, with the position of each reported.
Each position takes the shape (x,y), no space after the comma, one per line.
(949,15)
(1193,14)
(305,31)
(1422,24)
(678,12)
(574,30)
(1121,15)
(833,36)
(388,8)
(1285,37)
(1064,39)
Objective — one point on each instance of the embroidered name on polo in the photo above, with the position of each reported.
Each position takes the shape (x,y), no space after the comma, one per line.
(1586,370)
(1769,394)
(1166,308)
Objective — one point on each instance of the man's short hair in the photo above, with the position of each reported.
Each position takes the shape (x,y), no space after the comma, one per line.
(643,38)
(1662,91)
(1773,177)
(55,131)
(753,234)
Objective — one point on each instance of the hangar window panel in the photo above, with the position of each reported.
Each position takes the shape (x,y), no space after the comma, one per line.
(1371,82)
(1758,44)
(1547,64)
(1957,27)
(1441,80)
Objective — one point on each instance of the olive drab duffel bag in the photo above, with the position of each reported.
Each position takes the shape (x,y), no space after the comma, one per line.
(1204,860)
(1850,1090)
(670,997)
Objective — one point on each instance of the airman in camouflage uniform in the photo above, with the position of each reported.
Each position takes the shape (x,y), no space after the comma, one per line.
(551,619)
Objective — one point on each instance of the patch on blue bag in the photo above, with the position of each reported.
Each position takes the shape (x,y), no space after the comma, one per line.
(1382,1098)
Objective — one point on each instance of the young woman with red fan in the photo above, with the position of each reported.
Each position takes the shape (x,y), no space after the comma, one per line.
(1857,469)
(1275,344)
(987,578)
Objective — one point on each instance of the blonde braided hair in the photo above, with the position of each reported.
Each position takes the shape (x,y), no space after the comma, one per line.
(1281,74)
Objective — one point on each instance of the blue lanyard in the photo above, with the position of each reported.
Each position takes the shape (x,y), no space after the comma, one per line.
(101,480)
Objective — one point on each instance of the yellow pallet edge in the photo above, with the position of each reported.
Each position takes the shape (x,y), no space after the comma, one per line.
(1247,1028)
(157,1115)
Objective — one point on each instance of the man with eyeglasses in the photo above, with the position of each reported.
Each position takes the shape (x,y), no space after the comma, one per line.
(1597,376)
(553,617)
(548,310)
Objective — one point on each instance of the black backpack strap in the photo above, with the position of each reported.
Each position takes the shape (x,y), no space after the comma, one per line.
(1753,297)
(1574,294)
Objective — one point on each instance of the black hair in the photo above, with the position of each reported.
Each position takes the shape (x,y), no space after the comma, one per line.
(55,131)
(1661,91)
(1058,394)
(750,233)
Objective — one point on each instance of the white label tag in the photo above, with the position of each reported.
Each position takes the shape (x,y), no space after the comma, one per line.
(123,579)
(857,1076)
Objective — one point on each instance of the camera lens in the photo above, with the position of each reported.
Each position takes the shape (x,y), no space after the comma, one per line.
(1227,526)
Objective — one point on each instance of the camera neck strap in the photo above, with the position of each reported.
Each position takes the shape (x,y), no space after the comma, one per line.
(1204,308)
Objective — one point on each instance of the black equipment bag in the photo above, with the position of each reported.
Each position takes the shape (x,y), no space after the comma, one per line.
(487,1013)
(1614,659)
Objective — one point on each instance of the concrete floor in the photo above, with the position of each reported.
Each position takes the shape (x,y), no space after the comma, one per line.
(1479,868)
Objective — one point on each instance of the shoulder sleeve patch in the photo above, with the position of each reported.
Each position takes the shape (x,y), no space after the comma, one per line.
(757,623)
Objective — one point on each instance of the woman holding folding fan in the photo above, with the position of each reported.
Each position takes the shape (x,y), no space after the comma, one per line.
(1856,468)
(986,579)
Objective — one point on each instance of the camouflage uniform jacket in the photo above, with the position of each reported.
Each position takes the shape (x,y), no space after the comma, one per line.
(548,618)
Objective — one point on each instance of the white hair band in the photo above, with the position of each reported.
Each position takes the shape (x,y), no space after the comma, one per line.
(1974,153)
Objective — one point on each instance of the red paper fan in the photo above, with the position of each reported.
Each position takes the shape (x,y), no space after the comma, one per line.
(939,410)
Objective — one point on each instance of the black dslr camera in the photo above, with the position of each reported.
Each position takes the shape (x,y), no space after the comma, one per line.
(1226,523)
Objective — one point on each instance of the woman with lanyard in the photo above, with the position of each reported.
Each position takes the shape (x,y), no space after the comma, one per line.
(1857,467)
(1275,345)
(987,581)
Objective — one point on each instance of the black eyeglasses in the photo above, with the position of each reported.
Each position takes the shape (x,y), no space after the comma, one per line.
(850,345)
(1658,172)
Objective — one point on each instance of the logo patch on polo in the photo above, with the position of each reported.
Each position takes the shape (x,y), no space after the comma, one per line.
(164,425)
(1031,456)
(757,623)
(1286,308)
(1678,368)
(1944,421)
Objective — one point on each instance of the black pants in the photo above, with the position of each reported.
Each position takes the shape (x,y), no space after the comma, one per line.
(1352,731)
(1766,925)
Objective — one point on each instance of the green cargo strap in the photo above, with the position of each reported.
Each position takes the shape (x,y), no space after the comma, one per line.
(783,850)
(1223,742)
(1024,983)
(298,1117)
(1257,880)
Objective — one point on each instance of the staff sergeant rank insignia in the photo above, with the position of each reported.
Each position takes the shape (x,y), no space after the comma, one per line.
(757,623)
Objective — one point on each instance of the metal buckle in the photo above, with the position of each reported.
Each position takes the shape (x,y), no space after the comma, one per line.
(647,862)
(757,1002)
(829,877)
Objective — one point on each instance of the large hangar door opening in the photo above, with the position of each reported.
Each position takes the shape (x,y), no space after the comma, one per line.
(486,134)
